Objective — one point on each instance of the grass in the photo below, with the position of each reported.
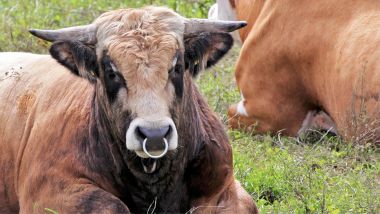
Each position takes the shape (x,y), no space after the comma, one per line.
(318,174)
(17,16)
(284,175)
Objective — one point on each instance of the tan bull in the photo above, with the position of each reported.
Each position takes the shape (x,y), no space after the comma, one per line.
(112,122)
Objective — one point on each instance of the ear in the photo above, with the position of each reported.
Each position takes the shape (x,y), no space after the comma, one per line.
(78,58)
(205,50)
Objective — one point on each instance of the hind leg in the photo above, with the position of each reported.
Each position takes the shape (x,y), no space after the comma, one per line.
(318,120)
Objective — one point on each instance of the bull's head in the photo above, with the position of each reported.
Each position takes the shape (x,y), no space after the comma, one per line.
(137,59)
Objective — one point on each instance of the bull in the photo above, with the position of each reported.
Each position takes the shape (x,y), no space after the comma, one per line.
(112,121)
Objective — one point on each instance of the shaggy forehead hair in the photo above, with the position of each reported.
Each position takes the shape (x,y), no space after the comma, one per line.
(136,39)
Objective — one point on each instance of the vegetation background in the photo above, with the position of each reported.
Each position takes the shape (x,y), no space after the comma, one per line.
(315,174)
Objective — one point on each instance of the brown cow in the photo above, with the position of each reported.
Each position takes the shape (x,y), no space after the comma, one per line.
(132,135)
(301,56)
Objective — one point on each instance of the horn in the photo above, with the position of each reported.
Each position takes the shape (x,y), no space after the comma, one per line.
(194,26)
(84,33)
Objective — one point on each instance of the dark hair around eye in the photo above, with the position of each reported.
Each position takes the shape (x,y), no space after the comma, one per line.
(113,80)
(176,76)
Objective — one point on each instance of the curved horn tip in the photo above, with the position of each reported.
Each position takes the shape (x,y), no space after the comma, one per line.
(42,34)
(194,25)
(83,33)
(33,32)
(243,24)
(237,25)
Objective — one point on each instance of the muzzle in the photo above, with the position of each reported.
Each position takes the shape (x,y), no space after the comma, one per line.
(152,139)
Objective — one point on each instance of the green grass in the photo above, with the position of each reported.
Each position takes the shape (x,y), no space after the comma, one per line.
(284,175)
(318,174)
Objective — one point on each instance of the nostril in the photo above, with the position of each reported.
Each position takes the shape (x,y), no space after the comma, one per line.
(168,132)
(140,133)
(153,132)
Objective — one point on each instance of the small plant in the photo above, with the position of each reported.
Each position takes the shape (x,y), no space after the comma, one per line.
(47,210)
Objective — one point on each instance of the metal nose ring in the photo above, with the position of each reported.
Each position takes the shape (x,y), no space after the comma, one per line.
(156,156)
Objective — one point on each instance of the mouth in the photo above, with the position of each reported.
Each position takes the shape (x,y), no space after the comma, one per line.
(149,165)
(149,159)
(151,141)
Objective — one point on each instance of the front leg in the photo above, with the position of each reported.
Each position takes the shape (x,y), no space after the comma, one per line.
(233,199)
(77,198)
(212,187)
(236,200)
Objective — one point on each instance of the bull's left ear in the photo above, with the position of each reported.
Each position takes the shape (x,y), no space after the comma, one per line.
(80,59)
(205,50)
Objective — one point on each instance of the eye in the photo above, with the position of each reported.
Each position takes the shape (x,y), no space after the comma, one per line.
(113,80)
(111,75)
(174,64)
(176,77)
(177,69)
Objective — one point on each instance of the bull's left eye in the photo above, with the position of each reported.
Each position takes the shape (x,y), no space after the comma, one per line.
(176,77)
(177,69)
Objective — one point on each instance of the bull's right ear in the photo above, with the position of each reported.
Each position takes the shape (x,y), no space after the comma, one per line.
(80,59)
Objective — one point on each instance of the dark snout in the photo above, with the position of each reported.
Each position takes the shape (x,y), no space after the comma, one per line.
(153,133)
(154,137)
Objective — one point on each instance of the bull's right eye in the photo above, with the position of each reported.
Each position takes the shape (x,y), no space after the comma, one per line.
(113,79)
(111,76)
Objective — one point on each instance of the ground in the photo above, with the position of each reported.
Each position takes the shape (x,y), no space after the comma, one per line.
(317,174)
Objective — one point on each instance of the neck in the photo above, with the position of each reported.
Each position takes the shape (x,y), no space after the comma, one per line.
(101,152)
(124,176)
(208,152)
(200,136)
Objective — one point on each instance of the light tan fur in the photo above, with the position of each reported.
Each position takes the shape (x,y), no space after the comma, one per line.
(142,44)
(300,55)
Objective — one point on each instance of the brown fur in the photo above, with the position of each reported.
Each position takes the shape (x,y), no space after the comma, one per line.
(299,56)
(63,143)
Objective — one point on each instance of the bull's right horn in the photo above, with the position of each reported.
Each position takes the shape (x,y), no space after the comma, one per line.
(195,26)
(84,33)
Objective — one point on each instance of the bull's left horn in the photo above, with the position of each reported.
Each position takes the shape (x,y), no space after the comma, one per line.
(84,33)
(195,26)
